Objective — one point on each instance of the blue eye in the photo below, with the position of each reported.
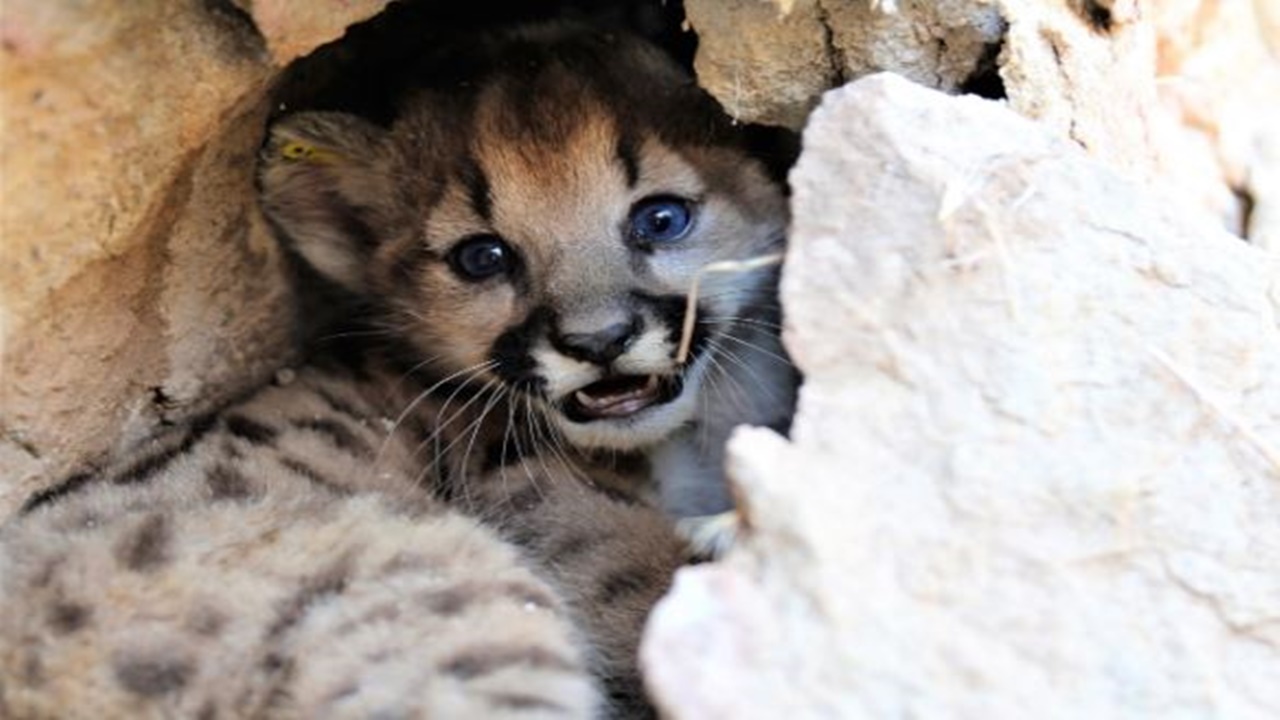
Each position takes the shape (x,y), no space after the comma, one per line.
(480,257)
(659,220)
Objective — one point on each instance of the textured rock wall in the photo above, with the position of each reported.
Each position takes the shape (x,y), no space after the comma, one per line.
(136,279)
(1036,466)
(1181,92)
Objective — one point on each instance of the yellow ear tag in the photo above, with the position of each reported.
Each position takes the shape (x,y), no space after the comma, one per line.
(302,152)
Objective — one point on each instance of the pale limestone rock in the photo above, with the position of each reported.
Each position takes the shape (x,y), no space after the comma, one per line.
(1036,466)
(1218,134)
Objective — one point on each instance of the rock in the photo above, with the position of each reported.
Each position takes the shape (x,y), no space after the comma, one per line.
(764,63)
(1085,71)
(1218,129)
(292,29)
(1036,466)
(1181,92)
(136,281)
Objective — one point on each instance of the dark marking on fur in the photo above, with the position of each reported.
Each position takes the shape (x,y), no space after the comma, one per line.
(669,312)
(620,495)
(351,220)
(526,536)
(62,489)
(406,267)
(487,659)
(405,561)
(147,547)
(627,698)
(279,672)
(443,485)
(628,152)
(302,469)
(146,468)
(44,578)
(66,618)
(208,711)
(339,405)
(273,662)
(337,433)
(142,470)
(227,483)
(621,583)
(501,453)
(206,621)
(524,702)
(526,498)
(330,581)
(574,544)
(152,676)
(33,675)
(511,350)
(473,179)
(451,601)
(250,430)
(459,598)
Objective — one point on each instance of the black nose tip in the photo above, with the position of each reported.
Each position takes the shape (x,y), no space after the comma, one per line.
(602,346)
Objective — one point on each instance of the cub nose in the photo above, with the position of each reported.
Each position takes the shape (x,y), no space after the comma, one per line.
(601,346)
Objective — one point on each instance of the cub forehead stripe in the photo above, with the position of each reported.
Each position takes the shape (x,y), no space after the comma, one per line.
(472,177)
(629,155)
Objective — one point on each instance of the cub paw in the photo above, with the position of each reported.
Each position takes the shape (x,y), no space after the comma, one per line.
(710,536)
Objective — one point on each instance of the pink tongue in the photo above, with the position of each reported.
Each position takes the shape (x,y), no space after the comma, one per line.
(617,404)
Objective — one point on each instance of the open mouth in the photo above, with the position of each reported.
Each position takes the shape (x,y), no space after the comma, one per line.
(620,396)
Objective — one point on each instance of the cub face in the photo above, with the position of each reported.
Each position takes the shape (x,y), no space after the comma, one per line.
(533,220)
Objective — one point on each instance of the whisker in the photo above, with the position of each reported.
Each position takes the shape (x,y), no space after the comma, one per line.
(559,449)
(475,370)
(742,396)
(479,425)
(531,417)
(757,348)
(719,319)
(524,463)
(443,454)
(760,385)
(691,304)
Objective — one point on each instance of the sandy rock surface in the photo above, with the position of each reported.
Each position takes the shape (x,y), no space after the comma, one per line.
(1036,466)
(136,278)
(292,28)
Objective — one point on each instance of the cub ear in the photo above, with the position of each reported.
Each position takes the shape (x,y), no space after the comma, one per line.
(324,182)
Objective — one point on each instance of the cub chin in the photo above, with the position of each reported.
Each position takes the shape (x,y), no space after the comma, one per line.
(531,223)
